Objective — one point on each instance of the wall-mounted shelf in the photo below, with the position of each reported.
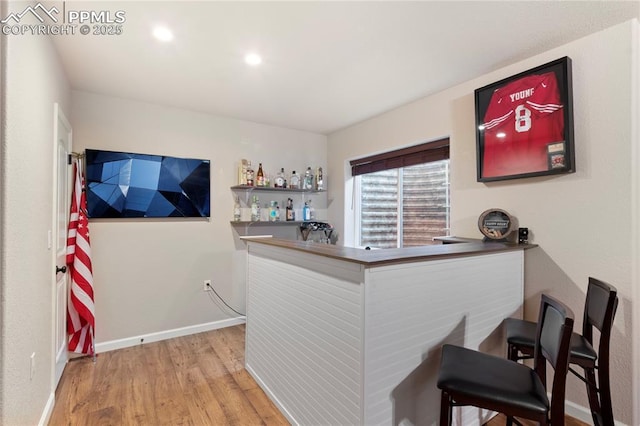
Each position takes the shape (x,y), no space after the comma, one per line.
(300,197)
(266,223)
(272,189)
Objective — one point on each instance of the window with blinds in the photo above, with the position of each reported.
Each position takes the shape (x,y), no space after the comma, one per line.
(403,206)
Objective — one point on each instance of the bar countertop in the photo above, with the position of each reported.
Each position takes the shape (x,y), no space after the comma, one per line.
(380,257)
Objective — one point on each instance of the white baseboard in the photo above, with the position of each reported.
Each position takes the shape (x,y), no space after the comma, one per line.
(166,334)
(581,413)
(48,410)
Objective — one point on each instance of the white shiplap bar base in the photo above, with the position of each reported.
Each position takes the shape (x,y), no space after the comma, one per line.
(334,342)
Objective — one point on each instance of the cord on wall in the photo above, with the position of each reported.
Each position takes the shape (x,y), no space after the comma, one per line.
(223,301)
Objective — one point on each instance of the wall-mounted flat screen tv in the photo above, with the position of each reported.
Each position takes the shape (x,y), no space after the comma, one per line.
(127,185)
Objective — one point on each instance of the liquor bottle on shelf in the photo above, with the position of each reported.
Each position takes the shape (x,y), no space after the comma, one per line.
(312,211)
(306,212)
(319,179)
(237,213)
(260,176)
(249,174)
(242,172)
(290,213)
(294,182)
(279,181)
(277,213)
(273,211)
(255,209)
(308,179)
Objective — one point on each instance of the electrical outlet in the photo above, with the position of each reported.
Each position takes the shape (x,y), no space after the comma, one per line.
(32,366)
(206,286)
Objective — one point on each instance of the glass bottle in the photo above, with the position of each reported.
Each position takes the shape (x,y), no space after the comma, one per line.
(308,179)
(312,211)
(290,213)
(277,213)
(306,212)
(294,182)
(237,213)
(319,180)
(249,174)
(260,176)
(242,172)
(255,209)
(279,182)
(272,211)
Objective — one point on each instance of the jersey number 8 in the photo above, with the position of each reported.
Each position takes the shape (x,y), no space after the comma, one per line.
(523,119)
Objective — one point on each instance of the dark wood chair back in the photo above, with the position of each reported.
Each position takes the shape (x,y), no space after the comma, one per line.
(555,325)
(599,311)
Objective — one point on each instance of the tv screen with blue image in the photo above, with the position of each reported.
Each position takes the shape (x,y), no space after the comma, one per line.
(127,185)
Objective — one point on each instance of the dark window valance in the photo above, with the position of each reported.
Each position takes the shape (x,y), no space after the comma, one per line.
(410,156)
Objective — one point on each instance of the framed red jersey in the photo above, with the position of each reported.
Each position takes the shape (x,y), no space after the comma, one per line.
(524,124)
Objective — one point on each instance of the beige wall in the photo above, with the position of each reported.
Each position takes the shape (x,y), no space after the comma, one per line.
(635,226)
(581,221)
(148,273)
(33,81)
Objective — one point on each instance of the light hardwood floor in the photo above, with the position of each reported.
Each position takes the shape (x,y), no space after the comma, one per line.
(192,380)
(501,420)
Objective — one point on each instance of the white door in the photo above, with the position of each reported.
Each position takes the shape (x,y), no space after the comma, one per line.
(62,185)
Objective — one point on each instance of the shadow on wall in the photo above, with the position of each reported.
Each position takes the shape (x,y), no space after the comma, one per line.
(543,275)
(412,400)
(416,399)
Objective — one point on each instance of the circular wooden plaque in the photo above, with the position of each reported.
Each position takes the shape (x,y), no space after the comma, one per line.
(496,224)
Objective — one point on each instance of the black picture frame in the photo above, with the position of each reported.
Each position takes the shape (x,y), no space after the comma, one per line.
(524,124)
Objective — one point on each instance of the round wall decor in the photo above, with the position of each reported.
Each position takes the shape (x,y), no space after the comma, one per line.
(496,224)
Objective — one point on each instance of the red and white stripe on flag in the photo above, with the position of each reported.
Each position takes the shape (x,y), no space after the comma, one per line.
(80,311)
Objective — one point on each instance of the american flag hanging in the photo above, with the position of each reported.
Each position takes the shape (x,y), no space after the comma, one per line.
(80,311)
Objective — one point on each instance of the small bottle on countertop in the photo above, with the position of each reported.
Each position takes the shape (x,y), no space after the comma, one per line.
(237,213)
(294,182)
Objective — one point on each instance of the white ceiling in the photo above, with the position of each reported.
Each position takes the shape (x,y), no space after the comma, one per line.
(326,65)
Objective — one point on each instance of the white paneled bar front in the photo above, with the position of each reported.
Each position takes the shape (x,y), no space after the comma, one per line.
(342,336)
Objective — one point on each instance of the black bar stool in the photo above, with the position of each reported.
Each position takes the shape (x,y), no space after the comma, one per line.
(599,311)
(469,377)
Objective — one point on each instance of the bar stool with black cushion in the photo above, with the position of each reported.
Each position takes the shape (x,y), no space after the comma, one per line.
(600,309)
(469,377)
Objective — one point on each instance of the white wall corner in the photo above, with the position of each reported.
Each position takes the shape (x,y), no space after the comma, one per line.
(635,215)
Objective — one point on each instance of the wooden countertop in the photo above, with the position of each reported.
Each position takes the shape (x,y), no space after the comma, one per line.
(381,257)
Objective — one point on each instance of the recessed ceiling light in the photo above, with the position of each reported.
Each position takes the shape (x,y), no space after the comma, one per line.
(162,33)
(253,59)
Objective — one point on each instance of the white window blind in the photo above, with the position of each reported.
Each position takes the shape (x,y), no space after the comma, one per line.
(403,206)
